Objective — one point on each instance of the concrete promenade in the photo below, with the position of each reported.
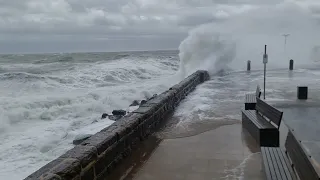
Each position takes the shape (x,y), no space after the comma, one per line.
(218,148)
(224,153)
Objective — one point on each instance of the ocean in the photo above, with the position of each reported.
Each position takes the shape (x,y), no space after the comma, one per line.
(48,99)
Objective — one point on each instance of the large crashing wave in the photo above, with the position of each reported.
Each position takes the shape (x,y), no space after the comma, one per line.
(205,49)
(241,37)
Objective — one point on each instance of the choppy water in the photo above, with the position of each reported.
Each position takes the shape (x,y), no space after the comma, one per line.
(48,99)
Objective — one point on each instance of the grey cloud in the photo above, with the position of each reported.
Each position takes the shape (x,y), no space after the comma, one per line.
(193,20)
(50,21)
(26,16)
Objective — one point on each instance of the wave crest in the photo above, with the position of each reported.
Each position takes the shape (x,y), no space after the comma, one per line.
(206,50)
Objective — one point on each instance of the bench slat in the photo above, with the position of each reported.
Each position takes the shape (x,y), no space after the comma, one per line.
(276,164)
(269,111)
(266,163)
(285,164)
(258,119)
(281,167)
(250,98)
(269,160)
(251,116)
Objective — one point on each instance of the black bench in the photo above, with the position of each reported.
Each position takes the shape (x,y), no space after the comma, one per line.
(263,123)
(250,99)
(276,164)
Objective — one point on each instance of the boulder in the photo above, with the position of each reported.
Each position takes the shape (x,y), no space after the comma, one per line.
(80,138)
(134,103)
(142,102)
(104,115)
(119,112)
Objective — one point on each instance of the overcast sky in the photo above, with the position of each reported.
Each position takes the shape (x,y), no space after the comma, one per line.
(115,25)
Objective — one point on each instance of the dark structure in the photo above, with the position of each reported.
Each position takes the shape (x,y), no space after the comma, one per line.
(248,65)
(263,123)
(104,115)
(96,157)
(250,99)
(119,112)
(302,92)
(291,65)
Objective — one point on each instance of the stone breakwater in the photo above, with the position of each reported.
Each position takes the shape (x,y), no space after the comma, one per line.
(96,157)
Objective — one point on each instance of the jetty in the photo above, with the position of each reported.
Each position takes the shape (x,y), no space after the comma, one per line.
(243,135)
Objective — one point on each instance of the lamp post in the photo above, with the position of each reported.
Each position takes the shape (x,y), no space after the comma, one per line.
(285,43)
(265,61)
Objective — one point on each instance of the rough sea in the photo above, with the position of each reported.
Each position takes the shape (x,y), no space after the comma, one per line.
(48,99)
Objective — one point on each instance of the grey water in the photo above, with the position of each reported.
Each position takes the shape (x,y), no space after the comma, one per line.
(46,100)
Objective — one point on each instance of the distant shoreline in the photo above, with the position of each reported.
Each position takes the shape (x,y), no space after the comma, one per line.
(83,52)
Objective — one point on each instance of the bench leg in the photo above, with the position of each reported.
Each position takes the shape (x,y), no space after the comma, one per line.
(250,106)
(269,137)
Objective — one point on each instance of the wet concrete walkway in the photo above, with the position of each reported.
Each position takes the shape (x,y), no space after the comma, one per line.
(227,152)
(214,146)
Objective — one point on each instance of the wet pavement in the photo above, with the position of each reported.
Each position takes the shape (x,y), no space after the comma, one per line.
(204,139)
(227,152)
(304,122)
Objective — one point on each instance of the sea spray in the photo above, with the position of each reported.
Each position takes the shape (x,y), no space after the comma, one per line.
(241,37)
(205,49)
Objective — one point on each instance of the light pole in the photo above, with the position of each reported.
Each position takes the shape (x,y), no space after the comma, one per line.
(285,44)
(265,61)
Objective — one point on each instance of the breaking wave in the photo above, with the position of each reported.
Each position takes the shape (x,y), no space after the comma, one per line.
(206,50)
(45,105)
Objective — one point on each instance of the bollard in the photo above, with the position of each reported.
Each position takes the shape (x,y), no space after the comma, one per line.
(302,92)
(248,65)
(291,65)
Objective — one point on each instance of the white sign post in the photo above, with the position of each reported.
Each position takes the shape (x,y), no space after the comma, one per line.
(265,61)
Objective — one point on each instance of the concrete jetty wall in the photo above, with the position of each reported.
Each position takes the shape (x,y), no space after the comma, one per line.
(97,156)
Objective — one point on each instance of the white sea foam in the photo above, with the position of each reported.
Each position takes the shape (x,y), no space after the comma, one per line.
(41,114)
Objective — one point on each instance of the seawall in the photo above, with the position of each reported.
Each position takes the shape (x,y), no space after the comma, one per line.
(97,156)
